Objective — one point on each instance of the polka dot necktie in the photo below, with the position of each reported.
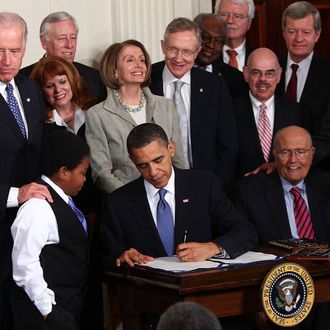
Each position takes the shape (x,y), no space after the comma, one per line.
(13,105)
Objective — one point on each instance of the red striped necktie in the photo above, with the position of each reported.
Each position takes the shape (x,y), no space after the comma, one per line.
(302,216)
(264,131)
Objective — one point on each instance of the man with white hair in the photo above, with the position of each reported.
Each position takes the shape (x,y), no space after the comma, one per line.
(238,15)
(58,37)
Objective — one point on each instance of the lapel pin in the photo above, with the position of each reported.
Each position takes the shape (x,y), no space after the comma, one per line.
(201,90)
(185,200)
(28,99)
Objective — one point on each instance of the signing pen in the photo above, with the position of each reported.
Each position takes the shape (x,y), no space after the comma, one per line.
(185,236)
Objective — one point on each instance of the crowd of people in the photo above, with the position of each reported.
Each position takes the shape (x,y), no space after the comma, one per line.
(218,143)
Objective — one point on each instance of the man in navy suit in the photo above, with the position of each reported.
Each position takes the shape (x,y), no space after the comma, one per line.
(267,200)
(213,31)
(205,222)
(212,135)
(19,145)
(262,73)
(301,26)
(269,204)
(58,37)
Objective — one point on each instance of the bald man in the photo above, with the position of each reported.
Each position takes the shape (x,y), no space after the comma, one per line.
(269,202)
(260,113)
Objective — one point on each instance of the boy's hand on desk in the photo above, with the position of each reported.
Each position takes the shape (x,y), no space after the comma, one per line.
(131,257)
(196,251)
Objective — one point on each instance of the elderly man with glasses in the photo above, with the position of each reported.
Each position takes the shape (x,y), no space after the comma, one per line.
(260,113)
(292,202)
(207,123)
(238,16)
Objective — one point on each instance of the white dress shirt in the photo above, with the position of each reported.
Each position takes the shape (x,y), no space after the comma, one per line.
(34,227)
(153,196)
(302,73)
(270,110)
(240,57)
(79,120)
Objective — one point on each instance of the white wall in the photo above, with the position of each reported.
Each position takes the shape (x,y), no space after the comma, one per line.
(102,22)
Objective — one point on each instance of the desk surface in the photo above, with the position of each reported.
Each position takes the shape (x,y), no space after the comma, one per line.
(226,292)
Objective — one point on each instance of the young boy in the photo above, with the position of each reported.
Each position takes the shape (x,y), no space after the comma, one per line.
(50,252)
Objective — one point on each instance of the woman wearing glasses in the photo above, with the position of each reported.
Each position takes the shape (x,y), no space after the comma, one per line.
(125,70)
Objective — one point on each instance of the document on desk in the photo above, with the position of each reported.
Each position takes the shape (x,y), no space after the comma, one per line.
(246,258)
(174,264)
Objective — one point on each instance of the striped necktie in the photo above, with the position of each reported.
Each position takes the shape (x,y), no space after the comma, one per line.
(302,216)
(264,131)
(232,58)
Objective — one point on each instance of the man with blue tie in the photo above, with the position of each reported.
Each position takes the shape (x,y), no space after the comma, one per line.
(169,211)
(21,132)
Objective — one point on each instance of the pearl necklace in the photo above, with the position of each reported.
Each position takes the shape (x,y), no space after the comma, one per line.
(131,108)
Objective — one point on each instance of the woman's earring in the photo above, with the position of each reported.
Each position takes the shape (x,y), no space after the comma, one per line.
(116,76)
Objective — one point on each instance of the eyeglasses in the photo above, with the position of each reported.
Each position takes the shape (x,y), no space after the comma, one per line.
(207,38)
(270,74)
(299,153)
(173,51)
(235,17)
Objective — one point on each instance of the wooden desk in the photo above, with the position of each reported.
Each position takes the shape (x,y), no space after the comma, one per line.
(225,292)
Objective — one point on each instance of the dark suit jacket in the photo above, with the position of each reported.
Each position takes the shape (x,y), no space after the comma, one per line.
(316,92)
(261,198)
(250,153)
(90,75)
(201,208)
(212,122)
(233,77)
(19,158)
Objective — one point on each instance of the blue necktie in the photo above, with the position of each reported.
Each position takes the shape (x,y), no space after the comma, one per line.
(79,214)
(13,105)
(165,223)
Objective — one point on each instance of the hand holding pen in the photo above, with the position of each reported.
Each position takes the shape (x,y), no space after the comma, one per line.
(193,251)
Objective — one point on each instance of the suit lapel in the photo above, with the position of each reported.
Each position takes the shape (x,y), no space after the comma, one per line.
(197,103)
(316,204)
(32,118)
(143,217)
(313,75)
(183,202)
(276,203)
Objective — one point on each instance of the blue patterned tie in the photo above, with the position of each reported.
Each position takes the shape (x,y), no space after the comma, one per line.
(79,214)
(13,105)
(165,223)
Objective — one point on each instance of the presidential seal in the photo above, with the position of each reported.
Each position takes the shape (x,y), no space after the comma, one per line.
(287,294)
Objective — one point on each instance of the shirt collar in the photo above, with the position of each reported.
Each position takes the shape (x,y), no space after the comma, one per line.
(152,191)
(303,65)
(59,190)
(169,78)
(287,186)
(4,85)
(238,49)
(256,103)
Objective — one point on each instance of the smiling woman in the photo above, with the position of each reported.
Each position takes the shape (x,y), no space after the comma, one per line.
(64,90)
(125,70)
